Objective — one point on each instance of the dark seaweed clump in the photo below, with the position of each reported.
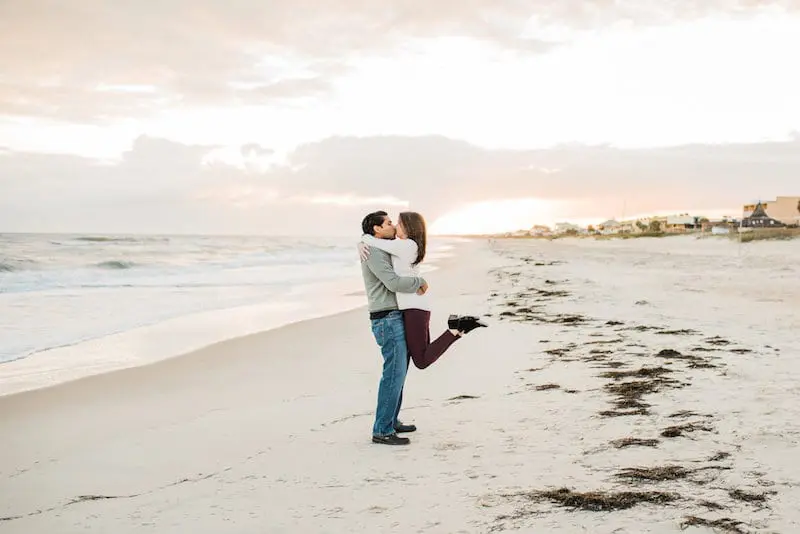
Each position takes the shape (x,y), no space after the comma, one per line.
(600,501)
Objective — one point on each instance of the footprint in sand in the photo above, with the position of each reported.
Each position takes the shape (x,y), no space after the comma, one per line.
(449,446)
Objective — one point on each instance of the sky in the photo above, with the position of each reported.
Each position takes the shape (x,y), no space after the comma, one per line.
(267,117)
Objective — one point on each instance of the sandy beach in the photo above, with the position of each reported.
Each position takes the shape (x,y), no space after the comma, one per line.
(643,386)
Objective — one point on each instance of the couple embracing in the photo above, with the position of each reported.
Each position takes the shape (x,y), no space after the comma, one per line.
(400,312)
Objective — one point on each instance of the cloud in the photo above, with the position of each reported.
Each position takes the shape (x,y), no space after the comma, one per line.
(194,51)
(250,157)
(436,174)
(543,170)
(352,199)
(60,55)
(160,186)
(593,14)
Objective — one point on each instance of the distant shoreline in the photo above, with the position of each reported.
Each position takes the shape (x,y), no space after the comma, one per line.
(754,234)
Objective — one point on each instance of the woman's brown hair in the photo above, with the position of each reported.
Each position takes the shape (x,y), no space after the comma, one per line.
(414,225)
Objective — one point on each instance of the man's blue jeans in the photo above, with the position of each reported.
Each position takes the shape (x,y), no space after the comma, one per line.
(390,333)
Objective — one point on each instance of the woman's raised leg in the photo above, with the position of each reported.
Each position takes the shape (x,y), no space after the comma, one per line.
(423,352)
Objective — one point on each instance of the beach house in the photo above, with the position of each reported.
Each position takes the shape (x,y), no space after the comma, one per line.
(567,228)
(783,209)
(680,223)
(610,227)
(758,218)
(540,230)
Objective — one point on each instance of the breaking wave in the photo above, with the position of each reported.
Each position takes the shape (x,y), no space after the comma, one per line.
(116,264)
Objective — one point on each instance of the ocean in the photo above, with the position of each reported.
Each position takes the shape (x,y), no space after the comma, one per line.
(76,305)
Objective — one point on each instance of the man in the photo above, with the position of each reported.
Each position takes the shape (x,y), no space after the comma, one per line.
(381,284)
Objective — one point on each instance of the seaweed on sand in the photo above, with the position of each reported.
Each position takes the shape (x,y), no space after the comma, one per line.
(695,362)
(672,353)
(680,430)
(644,372)
(596,358)
(632,390)
(682,414)
(601,501)
(604,341)
(701,364)
(724,524)
(634,442)
(666,472)
(530,315)
(719,456)
(567,319)
(548,293)
(704,349)
(642,328)
(622,413)
(628,395)
(711,505)
(681,332)
(628,398)
(557,352)
(741,495)
(463,397)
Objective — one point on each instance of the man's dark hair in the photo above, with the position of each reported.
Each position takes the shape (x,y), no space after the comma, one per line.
(372,220)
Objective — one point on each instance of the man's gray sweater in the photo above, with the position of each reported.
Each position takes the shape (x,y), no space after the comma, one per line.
(381,282)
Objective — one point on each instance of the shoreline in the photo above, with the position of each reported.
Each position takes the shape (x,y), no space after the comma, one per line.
(178,360)
(185,334)
(150,345)
(743,235)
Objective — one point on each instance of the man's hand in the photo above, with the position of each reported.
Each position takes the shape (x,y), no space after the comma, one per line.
(422,289)
(363,250)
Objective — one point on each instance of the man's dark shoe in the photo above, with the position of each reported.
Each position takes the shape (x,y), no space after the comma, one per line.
(405,428)
(391,439)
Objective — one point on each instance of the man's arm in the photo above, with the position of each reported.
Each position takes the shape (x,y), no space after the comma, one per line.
(381,266)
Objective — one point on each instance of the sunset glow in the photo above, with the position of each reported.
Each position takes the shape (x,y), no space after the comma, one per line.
(495,217)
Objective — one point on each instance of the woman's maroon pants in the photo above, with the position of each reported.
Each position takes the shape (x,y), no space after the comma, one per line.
(418,338)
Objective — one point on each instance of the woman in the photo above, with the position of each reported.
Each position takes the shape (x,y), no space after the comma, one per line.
(408,252)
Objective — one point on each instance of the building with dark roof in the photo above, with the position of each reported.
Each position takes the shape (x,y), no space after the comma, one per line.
(760,219)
